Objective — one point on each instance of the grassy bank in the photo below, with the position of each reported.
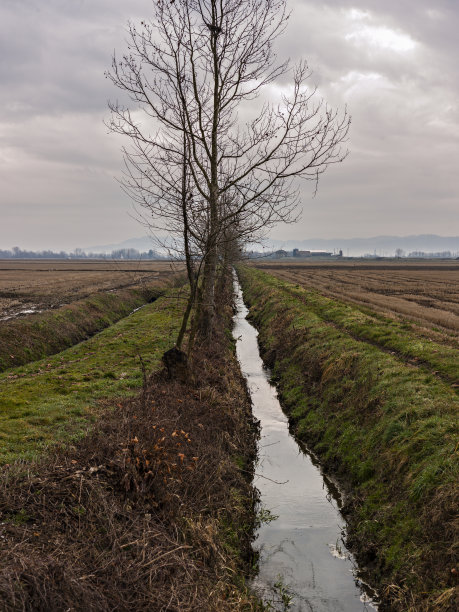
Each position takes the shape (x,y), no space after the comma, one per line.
(27,339)
(386,333)
(387,428)
(57,398)
(153,510)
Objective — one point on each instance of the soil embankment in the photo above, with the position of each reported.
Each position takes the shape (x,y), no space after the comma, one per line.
(40,285)
(152,511)
(386,428)
(57,398)
(423,297)
(26,339)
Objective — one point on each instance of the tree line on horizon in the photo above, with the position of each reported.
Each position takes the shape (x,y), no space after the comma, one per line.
(127,254)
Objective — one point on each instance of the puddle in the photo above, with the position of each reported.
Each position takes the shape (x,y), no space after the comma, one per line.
(19,313)
(136,309)
(304,564)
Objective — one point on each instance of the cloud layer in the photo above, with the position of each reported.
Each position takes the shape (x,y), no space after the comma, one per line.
(393,64)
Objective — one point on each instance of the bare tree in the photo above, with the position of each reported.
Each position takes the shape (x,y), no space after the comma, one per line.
(189,69)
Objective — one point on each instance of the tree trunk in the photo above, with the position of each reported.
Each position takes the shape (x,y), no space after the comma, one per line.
(189,264)
(224,274)
(185,319)
(207,310)
(210,266)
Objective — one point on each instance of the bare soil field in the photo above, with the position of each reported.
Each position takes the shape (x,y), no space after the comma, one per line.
(28,286)
(426,293)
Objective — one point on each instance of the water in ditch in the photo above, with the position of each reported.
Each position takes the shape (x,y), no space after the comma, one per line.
(303,564)
(25,311)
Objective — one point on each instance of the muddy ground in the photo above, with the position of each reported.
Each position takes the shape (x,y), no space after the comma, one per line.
(28,286)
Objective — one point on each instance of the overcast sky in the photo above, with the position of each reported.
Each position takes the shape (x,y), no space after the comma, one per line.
(394,63)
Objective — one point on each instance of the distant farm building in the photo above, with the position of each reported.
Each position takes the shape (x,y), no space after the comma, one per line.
(298,253)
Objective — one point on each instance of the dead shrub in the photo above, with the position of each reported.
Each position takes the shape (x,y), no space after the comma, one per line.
(131,517)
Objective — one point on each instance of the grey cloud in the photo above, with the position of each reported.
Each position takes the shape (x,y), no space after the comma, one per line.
(405,130)
(54,54)
(57,162)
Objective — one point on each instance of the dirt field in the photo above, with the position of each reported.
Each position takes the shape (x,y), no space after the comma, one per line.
(28,286)
(427,293)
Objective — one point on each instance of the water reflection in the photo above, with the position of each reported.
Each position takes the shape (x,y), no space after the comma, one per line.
(304,564)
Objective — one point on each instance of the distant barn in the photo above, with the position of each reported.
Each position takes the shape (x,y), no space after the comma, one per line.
(298,253)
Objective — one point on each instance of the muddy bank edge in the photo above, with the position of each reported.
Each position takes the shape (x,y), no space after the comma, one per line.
(386,429)
(30,338)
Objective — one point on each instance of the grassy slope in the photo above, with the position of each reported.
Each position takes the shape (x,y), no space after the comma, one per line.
(27,339)
(389,429)
(389,334)
(55,398)
(152,510)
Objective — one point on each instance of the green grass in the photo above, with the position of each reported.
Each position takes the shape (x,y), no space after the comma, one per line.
(55,399)
(384,332)
(389,429)
(27,339)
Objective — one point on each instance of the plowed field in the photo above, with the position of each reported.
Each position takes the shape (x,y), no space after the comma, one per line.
(426,294)
(34,285)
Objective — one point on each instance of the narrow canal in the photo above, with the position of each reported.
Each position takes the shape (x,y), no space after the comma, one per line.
(304,564)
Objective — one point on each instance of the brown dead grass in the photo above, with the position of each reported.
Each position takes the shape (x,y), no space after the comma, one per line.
(149,512)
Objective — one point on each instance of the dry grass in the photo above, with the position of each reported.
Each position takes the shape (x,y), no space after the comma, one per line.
(427,294)
(150,512)
(40,285)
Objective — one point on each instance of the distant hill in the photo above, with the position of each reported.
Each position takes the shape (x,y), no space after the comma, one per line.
(144,243)
(383,245)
